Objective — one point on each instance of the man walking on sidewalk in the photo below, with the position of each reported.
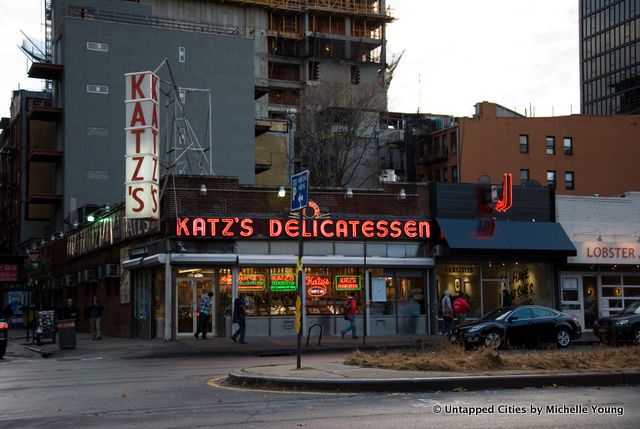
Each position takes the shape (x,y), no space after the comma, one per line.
(95,317)
(350,310)
(203,316)
(239,317)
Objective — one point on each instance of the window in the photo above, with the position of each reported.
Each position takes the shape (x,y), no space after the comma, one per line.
(569,180)
(551,178)
(454,145)
(97,46)
(540,313)
(355,75)
(524,143)
(98,89)
(182,54)
(551,145)
(568,145)
(521,314)
(524,176)
(454,174)
(444,174)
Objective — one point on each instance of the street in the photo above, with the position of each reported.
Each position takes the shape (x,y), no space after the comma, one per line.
(101,391)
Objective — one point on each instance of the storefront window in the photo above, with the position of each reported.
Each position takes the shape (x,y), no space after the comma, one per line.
(252,282)
(320,292)
(461,279)
(411,291)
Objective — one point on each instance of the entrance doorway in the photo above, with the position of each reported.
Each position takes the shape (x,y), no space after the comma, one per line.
(190,292)
(492,295)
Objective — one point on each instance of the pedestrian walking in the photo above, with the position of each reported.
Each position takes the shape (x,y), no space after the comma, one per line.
(239,317)
(203,315)
(349,310)
(94,310)
(460,308)
(447,314)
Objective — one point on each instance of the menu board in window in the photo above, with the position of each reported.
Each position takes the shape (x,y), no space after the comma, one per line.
(284,282)
(251,282)
(347,283)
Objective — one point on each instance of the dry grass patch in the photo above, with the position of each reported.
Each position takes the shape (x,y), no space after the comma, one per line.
(448,357)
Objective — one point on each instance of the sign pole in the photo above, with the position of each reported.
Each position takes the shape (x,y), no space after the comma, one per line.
(300,306)
(300,200)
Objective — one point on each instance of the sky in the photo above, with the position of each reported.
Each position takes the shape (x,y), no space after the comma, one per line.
(522,54)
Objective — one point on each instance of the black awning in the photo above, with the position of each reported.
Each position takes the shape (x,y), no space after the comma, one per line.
(517,238)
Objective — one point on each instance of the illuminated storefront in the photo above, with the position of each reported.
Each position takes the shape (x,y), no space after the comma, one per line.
(482,284)
(604,276)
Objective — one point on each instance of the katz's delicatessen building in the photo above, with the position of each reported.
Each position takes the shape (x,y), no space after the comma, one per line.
(232,239)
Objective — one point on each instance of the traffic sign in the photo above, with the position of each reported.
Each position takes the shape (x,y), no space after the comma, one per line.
(300,190)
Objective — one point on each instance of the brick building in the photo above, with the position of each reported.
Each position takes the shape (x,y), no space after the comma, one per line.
(576,155)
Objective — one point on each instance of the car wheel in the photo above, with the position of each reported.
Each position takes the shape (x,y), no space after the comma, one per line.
(2,351)
(493,340)
(563,338)
(636,336)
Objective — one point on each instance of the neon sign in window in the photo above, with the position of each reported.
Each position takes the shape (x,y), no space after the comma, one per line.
(317,285)
(284,282)
(348,283)
(250,282)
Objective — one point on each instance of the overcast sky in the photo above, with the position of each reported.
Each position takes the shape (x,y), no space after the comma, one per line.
(456,52)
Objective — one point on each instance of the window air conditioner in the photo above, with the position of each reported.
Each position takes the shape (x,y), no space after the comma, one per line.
(112,270)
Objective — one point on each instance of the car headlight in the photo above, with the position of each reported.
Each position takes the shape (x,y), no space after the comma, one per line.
(475,328)
(622,322)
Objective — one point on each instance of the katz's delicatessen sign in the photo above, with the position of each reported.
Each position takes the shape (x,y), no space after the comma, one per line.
(334,229)
(142,130)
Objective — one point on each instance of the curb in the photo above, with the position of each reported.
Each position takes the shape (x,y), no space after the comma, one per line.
(265,352)
(45,354)
(429,384)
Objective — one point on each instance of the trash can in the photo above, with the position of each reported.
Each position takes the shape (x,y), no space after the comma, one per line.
(66,334)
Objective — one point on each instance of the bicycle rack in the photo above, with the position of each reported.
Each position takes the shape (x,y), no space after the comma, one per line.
(309,333)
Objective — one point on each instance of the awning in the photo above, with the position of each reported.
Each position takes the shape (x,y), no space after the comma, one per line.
(471,236)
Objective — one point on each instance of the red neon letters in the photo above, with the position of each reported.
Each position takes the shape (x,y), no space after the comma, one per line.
(312,228)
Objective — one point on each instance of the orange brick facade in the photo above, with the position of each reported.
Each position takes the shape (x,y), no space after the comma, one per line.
(604,157)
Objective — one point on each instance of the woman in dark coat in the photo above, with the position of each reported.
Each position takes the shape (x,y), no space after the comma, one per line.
(240,318)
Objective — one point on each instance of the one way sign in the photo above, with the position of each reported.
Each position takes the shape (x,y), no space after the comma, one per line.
(300,190)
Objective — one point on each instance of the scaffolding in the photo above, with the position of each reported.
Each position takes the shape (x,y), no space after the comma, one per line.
(356,7)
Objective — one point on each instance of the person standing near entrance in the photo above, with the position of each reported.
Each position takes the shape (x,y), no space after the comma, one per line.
(350,309)
(203,316)
(506,297)
(447,314)
(239,317)
(95,316)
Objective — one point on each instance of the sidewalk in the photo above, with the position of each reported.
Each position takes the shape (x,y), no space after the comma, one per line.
(326,376)
(123,348)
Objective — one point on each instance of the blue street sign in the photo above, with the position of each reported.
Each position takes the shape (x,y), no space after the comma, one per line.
(300,190)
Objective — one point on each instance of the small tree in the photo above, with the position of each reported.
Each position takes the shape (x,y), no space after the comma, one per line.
(337,129)
(38,276)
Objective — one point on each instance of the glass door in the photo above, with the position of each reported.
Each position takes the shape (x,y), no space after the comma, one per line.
(570,303)
(202,287)
(186,307)
(190,293)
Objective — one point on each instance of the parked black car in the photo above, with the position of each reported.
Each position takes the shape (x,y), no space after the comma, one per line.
(4,336)
(620,327)
(520,325)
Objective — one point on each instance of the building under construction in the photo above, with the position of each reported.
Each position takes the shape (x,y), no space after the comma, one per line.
(63,148)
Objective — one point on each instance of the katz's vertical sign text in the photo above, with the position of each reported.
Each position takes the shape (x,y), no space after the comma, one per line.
(142,131)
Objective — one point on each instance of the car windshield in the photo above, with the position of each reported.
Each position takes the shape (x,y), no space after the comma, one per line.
(498,314)
(633,308)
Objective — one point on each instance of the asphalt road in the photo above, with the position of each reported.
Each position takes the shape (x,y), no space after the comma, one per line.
(104,392)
